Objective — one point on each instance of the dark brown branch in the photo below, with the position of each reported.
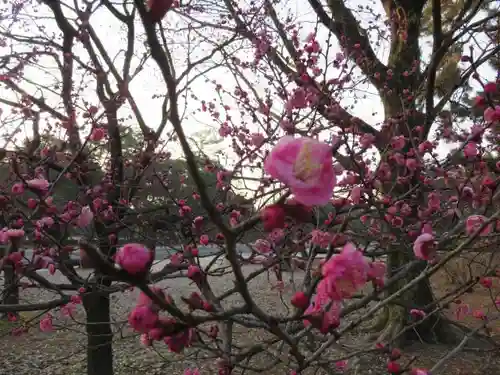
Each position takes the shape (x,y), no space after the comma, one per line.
(14,308)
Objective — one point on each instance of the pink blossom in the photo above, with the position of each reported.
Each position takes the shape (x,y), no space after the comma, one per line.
(46,324)
(188,371)
(17,188)
(257,139)
(366,140)
(144,300)
(198,222)
(490,87)
(398,142)
(492,115)
(305,165)
(15,233)
(344,274)
(298,99)
(194,272)
(320,238)
(204,240)
(273,217)
(287,125)
(134,258)
(97,134)
(39,184)
(376,272)
(15,257)
(341,365)
(424,247)
(176,259)
(85,218)
(356,194)
(300,300)
(470,150)
(418,314)
(68,310)
(474,222)
(323,314)
(262,246)
(46,221)
(145,340)
(142,319)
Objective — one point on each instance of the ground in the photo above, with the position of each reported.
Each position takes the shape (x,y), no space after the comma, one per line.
(63,351)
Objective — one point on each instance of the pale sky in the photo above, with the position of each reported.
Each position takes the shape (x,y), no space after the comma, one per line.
(149,82)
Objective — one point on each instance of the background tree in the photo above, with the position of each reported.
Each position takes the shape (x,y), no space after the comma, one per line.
(86,120)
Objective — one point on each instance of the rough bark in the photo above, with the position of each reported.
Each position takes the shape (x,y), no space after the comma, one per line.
(99,334)
(10,292)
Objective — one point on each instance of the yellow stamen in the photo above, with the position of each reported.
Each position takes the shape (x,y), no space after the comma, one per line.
(305,167)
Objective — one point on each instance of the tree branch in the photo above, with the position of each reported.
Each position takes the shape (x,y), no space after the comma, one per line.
(346,29)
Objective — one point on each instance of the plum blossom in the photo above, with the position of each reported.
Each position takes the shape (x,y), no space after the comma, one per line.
(474,222)
(15,233)
(323,313)
(300,300)
(85,217)
(46,324)
(492,115)
(273,217)
(97,134)
(159,8)
(470,150)
(38,184)
(142,318)
(257,139)
(344,274)
(417,314)
(17,188)
(424,247)
(134,258)
(305,165)
(262,246)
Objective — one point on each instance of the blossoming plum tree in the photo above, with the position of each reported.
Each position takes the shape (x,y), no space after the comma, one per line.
(352,219)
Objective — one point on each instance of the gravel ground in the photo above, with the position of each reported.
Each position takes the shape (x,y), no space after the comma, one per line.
(63,351)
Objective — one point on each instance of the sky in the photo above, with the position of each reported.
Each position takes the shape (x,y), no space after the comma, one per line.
(149,82)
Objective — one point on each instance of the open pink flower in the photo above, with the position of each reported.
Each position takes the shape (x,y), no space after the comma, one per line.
(15,233)
(39,184)
(134,258)
(262,246)
(492,115)
(305,165)
(46,324)
(273,217)
(85,217)
(470,150)
(474,222)
(423,247)
(144,300)
(17,188)
(142,319)
(323,313)
(344,274)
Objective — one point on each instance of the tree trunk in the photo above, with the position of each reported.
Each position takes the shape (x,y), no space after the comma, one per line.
(99,335)
(398,313)
(10,293)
